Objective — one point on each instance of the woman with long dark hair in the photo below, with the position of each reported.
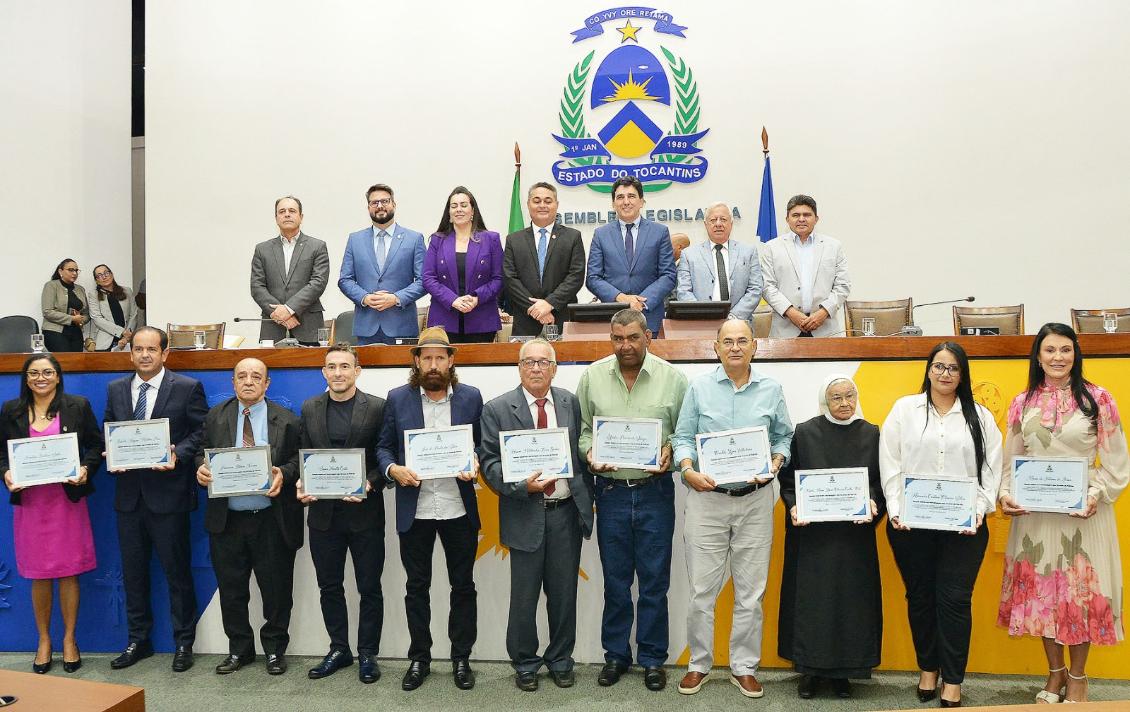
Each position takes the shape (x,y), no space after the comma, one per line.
(940,431)
(65,309)
(1063,573)
(463,272)
(113,314)
(50,523)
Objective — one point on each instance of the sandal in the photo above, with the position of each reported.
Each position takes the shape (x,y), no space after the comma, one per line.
(1045,697)
(1073,677)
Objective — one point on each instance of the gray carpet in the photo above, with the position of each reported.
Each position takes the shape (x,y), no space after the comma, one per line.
(251,689)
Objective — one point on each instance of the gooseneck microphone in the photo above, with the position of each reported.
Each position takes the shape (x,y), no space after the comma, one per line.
(946,301)
(289,342)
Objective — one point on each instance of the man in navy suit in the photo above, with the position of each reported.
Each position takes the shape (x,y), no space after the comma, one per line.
(382,273)
(153,505)
(446,507)
(631,260)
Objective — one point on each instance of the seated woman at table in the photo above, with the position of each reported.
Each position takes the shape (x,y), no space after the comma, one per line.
(463,272)
(65,309)
(1063,573)
(113,315)
(831,619)
(940,431)
(50,522)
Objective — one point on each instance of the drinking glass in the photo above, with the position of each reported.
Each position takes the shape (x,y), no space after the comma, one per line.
(323,337)
(868,325)
(551,332)
(37,343)
(1110,322)
(198,339)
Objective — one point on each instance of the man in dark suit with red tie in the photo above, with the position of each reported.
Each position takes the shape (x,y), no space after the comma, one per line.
(153,505)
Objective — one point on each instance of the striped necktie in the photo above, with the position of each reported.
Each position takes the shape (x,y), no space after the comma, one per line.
(139,409)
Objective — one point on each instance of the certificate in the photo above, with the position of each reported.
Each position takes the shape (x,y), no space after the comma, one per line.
(439,452)
(332,474)
(1050,484)
(137,444)
(732,456)
(239,470)
(627,442)
(935,502)
(43,460)
(833,495)
(524,452)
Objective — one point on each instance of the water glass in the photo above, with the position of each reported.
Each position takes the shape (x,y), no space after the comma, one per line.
(1110,322)
(323,337)
(37,343)
(868,325)
(198,339)
(551,332)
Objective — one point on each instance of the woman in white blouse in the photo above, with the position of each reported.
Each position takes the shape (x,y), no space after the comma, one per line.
(940,431)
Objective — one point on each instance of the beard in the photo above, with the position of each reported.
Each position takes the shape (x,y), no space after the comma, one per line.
(435,380)
(389,216)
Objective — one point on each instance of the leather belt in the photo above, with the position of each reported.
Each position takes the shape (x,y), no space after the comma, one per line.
(636,482)
(555,503)
(741,491)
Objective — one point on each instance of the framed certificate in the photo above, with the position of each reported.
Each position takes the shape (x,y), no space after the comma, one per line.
(1050,484)
(44,460)
(137,444)
(524,452)
(239,470)
(833,495)
(935,502)
(333,474)
(732,456)
(439,452)
(627,442)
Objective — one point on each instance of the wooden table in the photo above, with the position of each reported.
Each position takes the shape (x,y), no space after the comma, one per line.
(52,693)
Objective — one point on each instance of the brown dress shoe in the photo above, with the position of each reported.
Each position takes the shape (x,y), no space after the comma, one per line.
(691,683)
(747,685)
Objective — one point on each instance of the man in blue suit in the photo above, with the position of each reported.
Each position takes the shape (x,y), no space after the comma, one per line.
(382,273)
(631,260)
(446,506)
(153,504)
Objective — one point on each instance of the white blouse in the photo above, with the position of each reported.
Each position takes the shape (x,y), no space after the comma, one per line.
(909,443)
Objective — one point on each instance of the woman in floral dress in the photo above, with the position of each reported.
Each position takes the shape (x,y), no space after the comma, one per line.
(1063,577)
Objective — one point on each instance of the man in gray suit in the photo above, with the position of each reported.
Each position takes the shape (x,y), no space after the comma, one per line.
(542,519)
(288,275)
(698,270)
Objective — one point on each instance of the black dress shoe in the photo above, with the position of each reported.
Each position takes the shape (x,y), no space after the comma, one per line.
(414,676)
(925,695)
(464,676)
(806,687)
(334,661)
(132,653)
(182,658)
(41,668)
(842,687)
(368,671)
(611,673)
(654,678)
(563,678)
(947,703)
(233,662)
(276,664)
(526,681)
(72,665)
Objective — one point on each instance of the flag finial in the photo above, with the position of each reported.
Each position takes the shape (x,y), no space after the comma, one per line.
(764,141)
(517,155)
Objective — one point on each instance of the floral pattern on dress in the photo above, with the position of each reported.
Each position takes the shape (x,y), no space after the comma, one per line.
(1056,405)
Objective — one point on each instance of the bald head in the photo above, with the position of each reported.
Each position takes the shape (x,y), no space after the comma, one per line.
(679,242)
(250,380)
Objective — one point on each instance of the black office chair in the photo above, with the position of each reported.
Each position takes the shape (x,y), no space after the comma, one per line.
(15,334)
(343,328)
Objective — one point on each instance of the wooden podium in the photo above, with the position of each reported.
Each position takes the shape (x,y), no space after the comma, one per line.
(51,693)
(691,328)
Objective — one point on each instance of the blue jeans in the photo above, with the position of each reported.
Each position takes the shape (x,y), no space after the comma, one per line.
(634,526)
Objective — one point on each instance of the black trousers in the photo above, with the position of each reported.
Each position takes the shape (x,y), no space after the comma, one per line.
(367,547)
(554,567)
(939,570)
(69,339)
(139,533)
(252,542)
(459,542)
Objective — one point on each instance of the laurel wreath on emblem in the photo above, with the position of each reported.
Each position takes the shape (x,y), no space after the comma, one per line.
(687,111)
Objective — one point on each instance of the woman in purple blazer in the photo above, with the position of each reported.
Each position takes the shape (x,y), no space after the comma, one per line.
(463,272)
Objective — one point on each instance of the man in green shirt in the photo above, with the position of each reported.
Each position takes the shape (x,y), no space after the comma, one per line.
(635,508)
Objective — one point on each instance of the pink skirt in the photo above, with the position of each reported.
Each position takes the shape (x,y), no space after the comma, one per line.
(52,534)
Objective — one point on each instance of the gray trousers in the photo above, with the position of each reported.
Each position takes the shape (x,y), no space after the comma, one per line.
(723,532)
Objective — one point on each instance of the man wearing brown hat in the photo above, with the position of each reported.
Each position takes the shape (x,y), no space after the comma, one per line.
(443,506)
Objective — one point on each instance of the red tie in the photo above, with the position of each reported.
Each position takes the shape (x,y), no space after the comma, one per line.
(543,423)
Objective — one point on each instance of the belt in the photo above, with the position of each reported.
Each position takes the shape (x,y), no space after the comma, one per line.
(555,503)
(248,511)
(741,491)
(636,482)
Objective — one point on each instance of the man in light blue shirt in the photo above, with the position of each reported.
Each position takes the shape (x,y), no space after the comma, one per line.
(731,521)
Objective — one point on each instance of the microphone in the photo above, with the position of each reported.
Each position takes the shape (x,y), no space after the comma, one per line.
(945,301)
(289,342)
(912,330)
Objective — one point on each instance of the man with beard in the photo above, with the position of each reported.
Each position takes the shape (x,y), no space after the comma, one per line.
(381,273)
(345,417)
(446,506)
(635,508)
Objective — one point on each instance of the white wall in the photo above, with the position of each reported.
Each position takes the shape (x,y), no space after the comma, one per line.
(955,147)
(65,137)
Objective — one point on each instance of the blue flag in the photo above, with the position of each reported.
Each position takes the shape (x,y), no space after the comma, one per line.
(766,215)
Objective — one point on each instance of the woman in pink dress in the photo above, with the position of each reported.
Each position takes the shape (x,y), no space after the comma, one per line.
(1063,573)
(51,525)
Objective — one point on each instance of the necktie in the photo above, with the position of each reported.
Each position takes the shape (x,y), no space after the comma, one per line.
(543,244)
(248,431)
(139,409)
(543,423)
(629,245)
(723,278)
(382,238)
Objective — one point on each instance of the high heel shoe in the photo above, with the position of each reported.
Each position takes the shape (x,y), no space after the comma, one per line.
(42,668)
(927,695)
(943,702)
(72,665)
(1076,678)
(1051,698)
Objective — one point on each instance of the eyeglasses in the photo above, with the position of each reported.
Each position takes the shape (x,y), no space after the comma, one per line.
(846,398)
(71,269)
(46,373)
(730,343)
(939,368)
(380,202)
(542,363)
(103,275)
